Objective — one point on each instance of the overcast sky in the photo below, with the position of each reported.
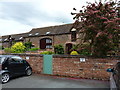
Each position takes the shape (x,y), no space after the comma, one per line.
(20,16)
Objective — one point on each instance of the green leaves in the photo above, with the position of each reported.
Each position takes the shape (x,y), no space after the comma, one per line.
(18,47)
(59,49)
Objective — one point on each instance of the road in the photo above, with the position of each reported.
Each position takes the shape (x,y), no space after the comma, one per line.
(38,81)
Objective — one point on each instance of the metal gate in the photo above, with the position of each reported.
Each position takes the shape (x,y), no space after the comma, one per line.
(47,64)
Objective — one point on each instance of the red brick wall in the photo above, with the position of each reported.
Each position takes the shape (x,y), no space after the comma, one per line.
(36,62)
(70,66)
(92,69)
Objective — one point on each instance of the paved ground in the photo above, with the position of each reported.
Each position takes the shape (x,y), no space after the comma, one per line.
(37,81)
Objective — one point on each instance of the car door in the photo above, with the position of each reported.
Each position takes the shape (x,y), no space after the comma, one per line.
(16,65)
(116,75)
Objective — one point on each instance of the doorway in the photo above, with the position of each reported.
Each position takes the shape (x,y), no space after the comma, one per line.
(68,48)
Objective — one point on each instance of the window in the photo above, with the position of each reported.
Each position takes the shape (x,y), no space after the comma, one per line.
(48,41)
(73,36)
(48,46)
(6,39)
(21,38)
(15,59)
(30,34)
(45,43)
(2,59)
(36,33)
(47,32)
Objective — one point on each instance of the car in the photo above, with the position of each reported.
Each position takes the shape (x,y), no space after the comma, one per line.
(12,66)
(115,77)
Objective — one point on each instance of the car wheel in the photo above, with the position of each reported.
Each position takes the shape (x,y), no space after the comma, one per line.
(28,72)
(5,77)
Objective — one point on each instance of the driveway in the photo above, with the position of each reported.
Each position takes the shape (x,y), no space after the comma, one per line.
(38,81)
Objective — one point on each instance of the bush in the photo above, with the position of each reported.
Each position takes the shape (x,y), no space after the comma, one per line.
(0,47)
(47,52)
(8,50)
(59,49)
(84,52)
(28,45)
(74,53)
(33,49)
(18,47)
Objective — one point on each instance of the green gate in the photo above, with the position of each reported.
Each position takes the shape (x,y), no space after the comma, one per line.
(47,64)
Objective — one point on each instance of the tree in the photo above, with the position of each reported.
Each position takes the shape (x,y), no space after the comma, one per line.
(100,24)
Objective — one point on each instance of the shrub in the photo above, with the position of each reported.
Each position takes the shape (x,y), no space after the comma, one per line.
(1,47)
(28,45)
(7,50)
(59,49)
(84,52)
(18,47)
(47,52)
(33,49)
(74,53)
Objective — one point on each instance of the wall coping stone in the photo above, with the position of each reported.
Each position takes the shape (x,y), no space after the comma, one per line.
(67,56)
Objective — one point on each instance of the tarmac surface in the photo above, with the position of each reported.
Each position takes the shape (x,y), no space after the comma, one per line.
(40,81)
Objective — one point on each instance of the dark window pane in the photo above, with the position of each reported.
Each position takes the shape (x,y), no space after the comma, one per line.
(45,43)
(73,35)
(15,59)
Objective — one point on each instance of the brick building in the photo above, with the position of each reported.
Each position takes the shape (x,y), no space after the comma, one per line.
(45,38)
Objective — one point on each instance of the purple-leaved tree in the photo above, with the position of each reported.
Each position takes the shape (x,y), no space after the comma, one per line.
(101,26)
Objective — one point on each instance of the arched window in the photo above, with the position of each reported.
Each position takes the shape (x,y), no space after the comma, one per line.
(45,43)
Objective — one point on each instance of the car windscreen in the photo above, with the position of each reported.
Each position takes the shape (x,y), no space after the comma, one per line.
(2,60)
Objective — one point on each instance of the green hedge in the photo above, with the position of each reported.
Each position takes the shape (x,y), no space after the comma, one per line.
(33,49)
(47,52)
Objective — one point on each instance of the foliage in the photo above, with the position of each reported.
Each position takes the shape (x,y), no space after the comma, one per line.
(47,52)
(74,53)
(100,24)
(18,47)
(1,48)
(7,50)
(84,52)
(59,49)
(33,49)
(83,49)
(28,45)
(75,47)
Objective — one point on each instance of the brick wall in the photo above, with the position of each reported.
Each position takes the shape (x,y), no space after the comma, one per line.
(35,60)
(70,66)
(92,68)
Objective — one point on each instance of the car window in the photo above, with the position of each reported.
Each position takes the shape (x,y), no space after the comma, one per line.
(16,59)
(2,60)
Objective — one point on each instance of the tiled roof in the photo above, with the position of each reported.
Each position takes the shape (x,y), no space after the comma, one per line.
(15,36)
(60,29)
(52,30)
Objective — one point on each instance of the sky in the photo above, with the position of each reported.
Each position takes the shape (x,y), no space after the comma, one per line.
(20,16)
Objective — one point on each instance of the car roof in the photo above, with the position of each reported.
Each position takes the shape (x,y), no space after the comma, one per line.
(7,55)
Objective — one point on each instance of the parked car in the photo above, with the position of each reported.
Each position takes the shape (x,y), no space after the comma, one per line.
(11,66)
(115,77)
